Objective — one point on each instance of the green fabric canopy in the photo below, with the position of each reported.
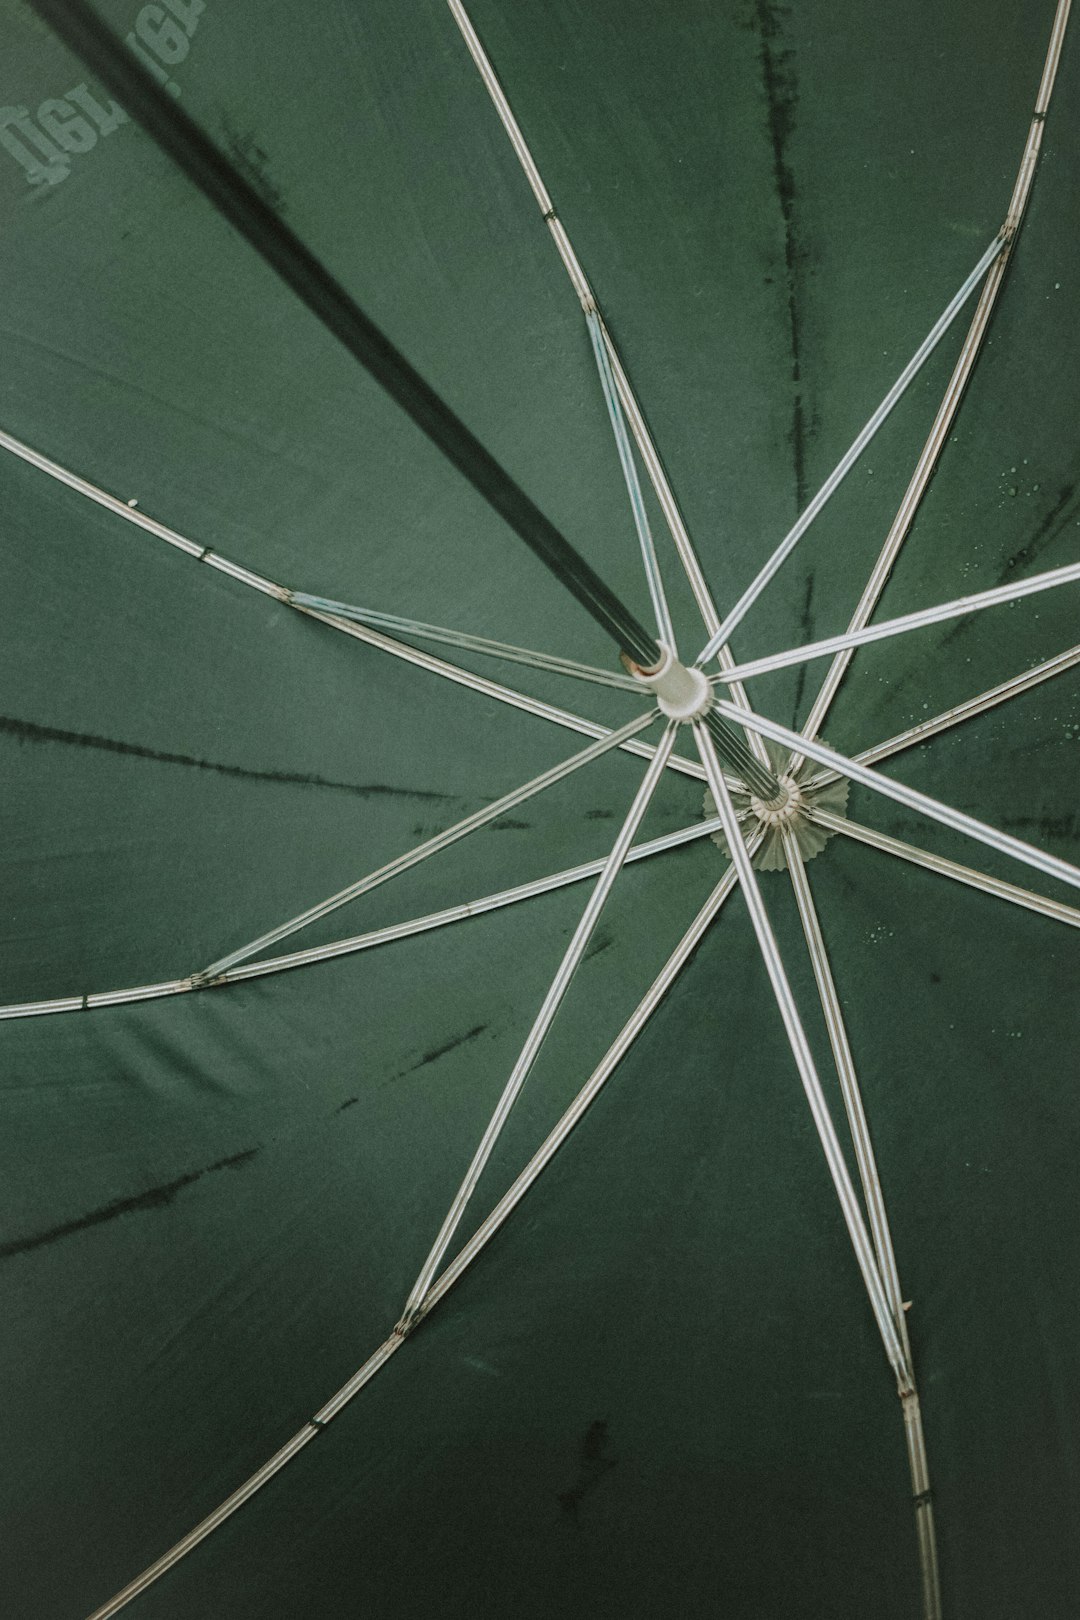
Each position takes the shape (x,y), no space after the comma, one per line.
(660,1390)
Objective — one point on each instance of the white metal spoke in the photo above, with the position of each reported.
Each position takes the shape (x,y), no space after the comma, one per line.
(468,643)
(650,457)
(262,1476)
(968,875)
(849,1082)
(432,846)
(591,1089)
(664,627)
(874,1199)
(374,638)
(504,694)
(950,402)
(454,1271)
(1005,843)
(848,460)
(975,602)
(804,1062)
(957,383)
(958,713)
(542,1023)
(361,942)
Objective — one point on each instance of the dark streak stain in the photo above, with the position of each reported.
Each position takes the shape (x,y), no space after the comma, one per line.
(601,943)
(781,95)
(508,824)
(441,1051)
(348,1103)
(1051,525)
(254,162)
(154,1198)
(592,1466)
(28,732)
(599,815)
(234,1161)
(806,625)
(1063,826)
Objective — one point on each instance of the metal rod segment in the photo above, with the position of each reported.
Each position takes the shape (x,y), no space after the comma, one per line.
(804,1062)
(848,460)
(361,942)
(954,393)
(431,846)
(968,875)
(879,1221)
(468,643)
(958,713)
(261,1477)
(542,1023)
(268,587)
(849,1082)
(974,602)
(1005,843)
(495,689)
(83,31)
(591,1089)
(682,953)
(664,627)
(646,446)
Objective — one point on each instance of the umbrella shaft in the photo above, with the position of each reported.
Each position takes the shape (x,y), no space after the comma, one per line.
(232,195)
(735,753)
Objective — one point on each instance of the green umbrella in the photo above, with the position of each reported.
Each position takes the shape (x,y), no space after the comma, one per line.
(608,1020)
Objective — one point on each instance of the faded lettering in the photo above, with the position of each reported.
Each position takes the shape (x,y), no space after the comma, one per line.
(68,126)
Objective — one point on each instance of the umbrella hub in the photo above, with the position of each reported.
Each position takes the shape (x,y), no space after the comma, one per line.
(683,693)
(791,813)
(782,811)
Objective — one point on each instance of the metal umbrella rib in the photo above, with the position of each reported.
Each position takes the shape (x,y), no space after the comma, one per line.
(116,1091)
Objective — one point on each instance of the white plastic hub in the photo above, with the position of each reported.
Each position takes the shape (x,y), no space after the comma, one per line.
(683,694)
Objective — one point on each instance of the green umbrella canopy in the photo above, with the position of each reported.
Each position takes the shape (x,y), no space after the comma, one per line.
(661,1387)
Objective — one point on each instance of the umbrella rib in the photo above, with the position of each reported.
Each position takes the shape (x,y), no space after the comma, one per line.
(950,403)
(851,455)
(874,1199)
(268,587)
(954,716)
(975,602)
(361,942)
(467,642)
(454,1271)
(800,1050)
(650,456)
(665,629)
(591,1089)
(534,1040)
(432,846)
(1003,842)
(969,875)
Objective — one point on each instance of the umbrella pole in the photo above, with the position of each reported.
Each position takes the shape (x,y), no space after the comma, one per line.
(238,201)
